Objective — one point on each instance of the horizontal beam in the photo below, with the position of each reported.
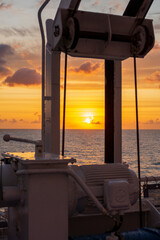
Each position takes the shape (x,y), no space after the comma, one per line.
(104,36)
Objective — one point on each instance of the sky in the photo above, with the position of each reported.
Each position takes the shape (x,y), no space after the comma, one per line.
(20,72)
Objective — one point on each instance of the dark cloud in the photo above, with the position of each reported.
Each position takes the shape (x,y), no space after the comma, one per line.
(95,122)
(157,121)
(3,120)
(5,50)
(13,120)
(4,71)
(2,61)
(5,6)
(39,118)
(36,121)
(86,67)
(23,76)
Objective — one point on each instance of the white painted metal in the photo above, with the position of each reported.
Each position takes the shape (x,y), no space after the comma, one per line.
(117,195)
(38,144)
(71,173)
(52,103)
(43,69)
(94,177)
(43,205)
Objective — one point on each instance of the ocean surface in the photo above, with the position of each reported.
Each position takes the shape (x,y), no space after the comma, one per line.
(87,147)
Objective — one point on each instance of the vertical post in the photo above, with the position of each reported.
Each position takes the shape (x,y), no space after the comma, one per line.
(43,68)
(52,103)
(113,128)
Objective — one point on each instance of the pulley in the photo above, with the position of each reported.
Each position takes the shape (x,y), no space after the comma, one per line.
(139,41)
(71,33)
(104,36)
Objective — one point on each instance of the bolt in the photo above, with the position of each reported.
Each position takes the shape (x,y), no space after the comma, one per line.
(56,31)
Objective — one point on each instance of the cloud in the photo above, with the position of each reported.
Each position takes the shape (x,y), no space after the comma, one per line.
(5,6)
(157,26)
(21,120)
(23,76)
(86,67)
(95,122)
(5,50)
(115,6)
(157,121)
(36,121)
(4,71)
(2,62)
(154,78)
(13,121)
(91,120)
(22,32)
(3,120)
(39,118)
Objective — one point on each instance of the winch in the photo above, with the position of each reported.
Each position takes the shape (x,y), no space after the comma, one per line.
(48,198)
(114,185)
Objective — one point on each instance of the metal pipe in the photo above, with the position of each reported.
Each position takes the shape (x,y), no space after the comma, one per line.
(43,67)
(8,138)
(76,178)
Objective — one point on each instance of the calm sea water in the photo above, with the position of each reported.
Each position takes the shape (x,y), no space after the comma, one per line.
(87,146)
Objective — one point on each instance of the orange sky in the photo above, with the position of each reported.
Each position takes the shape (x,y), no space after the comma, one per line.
(20,68)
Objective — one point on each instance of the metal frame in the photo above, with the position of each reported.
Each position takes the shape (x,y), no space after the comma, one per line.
(116,49)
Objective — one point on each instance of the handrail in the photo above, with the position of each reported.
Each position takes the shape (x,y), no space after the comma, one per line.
(8,138)
(43,68)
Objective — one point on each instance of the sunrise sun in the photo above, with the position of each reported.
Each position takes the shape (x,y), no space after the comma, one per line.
(89,119)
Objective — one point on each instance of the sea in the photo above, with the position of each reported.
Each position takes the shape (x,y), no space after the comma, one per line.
(87,147)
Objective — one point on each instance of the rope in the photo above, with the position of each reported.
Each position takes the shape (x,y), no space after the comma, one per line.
(138,145)
(1,182)
(64,104)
